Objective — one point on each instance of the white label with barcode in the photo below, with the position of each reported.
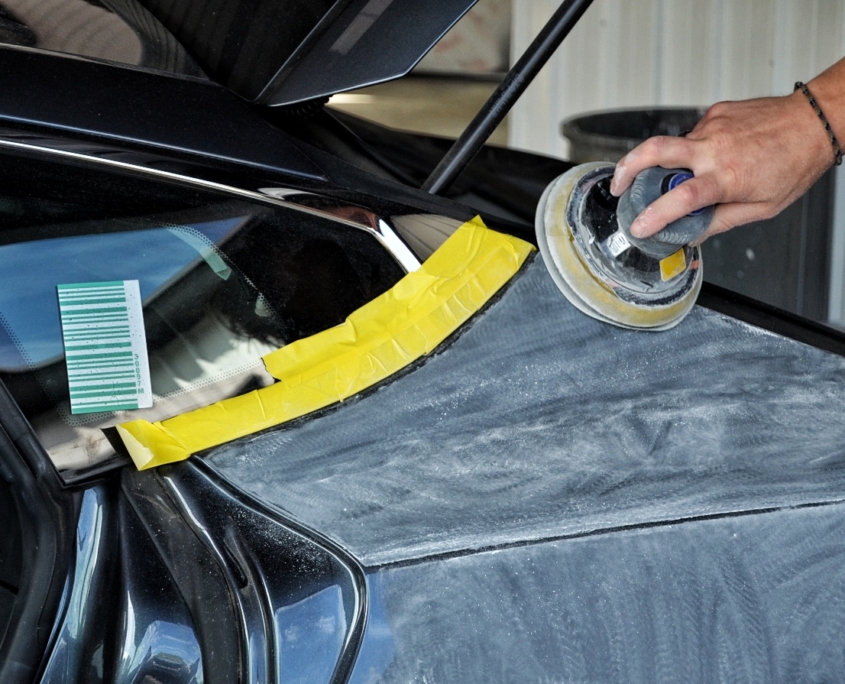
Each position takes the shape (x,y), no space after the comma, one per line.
(617,243)
(105,346)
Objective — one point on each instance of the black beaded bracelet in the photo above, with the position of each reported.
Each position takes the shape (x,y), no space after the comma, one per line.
(837,151)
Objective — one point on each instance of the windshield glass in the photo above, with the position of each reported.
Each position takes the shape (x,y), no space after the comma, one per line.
(221,283)
(159,258)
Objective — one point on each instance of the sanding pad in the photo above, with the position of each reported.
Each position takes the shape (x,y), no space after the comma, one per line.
(598,269)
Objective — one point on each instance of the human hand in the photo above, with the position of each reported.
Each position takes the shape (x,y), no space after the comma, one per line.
(751,158)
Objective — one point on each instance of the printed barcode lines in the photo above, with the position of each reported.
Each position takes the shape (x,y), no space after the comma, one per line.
(104,369)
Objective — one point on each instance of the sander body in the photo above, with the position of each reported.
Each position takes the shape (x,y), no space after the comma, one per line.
(584,236)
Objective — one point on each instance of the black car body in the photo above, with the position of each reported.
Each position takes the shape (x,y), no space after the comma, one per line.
(538,497)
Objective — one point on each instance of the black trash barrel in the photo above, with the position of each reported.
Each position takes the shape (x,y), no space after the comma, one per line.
(610,135)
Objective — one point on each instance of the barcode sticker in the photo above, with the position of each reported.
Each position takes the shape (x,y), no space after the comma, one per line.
(617,243)
(105,346)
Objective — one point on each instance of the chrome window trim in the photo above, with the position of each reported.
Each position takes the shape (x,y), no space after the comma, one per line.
(339,211)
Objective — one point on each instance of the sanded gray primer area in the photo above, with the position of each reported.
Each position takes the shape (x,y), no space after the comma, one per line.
(540,422)
(750,600)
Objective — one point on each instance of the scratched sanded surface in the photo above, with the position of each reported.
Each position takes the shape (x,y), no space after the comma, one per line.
(748,600)
(539,422)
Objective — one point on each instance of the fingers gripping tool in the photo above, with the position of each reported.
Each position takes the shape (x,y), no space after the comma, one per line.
(584,234)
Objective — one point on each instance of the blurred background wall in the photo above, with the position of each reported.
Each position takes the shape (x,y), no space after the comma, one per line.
(641,53)
(636,53)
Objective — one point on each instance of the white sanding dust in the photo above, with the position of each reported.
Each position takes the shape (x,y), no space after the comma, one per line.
(539,421)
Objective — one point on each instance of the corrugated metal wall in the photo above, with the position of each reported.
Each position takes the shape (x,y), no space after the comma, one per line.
(635,53)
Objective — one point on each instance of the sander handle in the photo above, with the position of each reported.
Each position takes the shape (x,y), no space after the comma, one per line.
(648,186)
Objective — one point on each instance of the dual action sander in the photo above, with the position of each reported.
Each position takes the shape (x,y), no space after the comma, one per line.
(585,239)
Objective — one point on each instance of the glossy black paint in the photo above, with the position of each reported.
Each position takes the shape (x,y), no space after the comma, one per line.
(199,129)
(270,566)
(178,577)
(193,570)
(126,33)
(166,636)
(499,181)
(368,43)
(279,53)
(112,104)
(122,621)
(47,516)
(183,126)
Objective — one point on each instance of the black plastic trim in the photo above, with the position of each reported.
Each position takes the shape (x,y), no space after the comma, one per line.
(108,102)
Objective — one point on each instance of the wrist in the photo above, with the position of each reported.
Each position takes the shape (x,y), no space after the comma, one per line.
(828,88)
(835,147)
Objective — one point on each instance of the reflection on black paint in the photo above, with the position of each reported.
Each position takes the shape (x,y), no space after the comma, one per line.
(312,276)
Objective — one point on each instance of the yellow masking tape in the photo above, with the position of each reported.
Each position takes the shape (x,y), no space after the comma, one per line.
(382,337)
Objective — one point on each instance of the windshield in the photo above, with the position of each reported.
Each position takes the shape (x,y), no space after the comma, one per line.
(220,284)
(160,258)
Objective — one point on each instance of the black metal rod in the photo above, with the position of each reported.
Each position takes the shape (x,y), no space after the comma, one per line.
(508,92)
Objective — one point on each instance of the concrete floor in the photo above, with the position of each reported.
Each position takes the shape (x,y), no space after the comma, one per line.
(425,104)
